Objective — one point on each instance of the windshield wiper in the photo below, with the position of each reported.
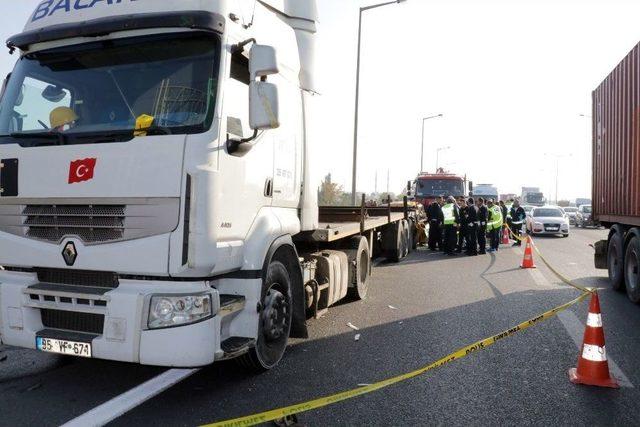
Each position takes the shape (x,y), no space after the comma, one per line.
(61,138)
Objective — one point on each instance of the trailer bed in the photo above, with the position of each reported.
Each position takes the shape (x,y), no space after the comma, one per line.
(337,223)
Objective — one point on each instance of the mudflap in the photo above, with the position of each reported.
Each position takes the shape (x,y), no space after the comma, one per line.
(600,256)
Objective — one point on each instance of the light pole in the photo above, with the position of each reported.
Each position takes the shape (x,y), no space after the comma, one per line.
(355,127)
(557,157)
(438,156)
(424,119)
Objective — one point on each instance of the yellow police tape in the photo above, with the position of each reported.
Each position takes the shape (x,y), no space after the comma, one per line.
(560,276)
(287,411)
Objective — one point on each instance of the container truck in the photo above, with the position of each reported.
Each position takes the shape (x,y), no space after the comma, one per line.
(532,196)
(157,204)
(616,174)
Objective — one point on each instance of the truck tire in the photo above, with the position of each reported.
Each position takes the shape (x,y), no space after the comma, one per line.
(406,238)
(615,261)
(359,267)
(275,321)
(392,242)
(632,269)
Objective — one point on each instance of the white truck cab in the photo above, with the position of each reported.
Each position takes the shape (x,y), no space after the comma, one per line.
(156,204)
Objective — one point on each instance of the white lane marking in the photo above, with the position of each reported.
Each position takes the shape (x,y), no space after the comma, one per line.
(539,278)
(122,404)
(575,329)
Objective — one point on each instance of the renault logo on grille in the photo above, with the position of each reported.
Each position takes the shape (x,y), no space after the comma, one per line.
(69,253)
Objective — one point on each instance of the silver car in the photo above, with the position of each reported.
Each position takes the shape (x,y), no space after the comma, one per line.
(571,213)
(548,220)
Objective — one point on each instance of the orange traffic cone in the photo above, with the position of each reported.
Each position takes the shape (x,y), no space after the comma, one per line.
(593,368)
(527,261)
(505,236)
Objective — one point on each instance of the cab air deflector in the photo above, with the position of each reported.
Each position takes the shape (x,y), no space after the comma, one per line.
(200,20)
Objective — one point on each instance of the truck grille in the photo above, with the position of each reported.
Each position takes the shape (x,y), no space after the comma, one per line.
(99,279)
(71,321)
(91,223)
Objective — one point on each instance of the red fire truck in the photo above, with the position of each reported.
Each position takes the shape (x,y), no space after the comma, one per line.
(428,186)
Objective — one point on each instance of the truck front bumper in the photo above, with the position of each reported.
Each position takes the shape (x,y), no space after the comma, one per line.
(115,320)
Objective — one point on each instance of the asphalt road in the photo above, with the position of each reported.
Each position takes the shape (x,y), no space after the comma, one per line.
(441,304)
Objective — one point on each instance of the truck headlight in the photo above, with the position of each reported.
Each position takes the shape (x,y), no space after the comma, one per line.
(167,310)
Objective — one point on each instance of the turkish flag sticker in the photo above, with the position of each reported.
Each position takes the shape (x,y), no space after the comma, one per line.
(82,170)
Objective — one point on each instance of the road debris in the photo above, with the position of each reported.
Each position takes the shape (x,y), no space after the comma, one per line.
(392,307)
(352,326)
(357,337)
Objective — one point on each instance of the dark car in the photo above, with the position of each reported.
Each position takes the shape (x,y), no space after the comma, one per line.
(584,217)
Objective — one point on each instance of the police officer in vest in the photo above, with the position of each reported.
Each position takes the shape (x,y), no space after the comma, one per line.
(494,225)
(434,216)
(482,218)
(518,216)
(451,216)
(471,234)
(464,224)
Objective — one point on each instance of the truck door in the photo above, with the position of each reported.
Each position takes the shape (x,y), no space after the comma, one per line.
(287,147)
(247,174)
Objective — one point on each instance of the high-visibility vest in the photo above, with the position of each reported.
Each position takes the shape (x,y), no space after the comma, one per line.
(496,218)
(448,213)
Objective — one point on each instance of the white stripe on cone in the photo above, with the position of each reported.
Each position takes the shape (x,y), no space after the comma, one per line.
(594,320)
(594,353)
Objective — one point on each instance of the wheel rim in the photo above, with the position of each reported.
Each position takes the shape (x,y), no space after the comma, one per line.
(364,268)
(274,326)
(632,272)
(613,261)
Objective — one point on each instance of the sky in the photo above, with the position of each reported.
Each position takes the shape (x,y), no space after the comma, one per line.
(511,78)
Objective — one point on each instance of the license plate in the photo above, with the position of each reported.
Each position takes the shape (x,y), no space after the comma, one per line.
(553,228)
(69,348)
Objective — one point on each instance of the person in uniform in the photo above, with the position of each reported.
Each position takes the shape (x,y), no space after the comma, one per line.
(494,225)
(518,216)
(435,219)
(482,218)
(441,202)
(451,215)
(462,231)
(472,223)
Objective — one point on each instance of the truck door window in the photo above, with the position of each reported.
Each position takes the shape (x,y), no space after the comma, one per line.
(237,97)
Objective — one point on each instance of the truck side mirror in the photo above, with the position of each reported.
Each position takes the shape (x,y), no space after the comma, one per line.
(263,106)
(3,89)
(263,96)
(262,61)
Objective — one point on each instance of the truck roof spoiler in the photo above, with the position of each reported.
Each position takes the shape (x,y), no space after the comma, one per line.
(208,21)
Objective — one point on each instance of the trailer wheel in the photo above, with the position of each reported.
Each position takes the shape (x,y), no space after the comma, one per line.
(392,242)
(406,239)
(631,269)
(359,267)
(615,262)
(275,321)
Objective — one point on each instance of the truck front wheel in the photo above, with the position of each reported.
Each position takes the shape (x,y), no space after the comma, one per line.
(631,266)
(275,321)
(615,263)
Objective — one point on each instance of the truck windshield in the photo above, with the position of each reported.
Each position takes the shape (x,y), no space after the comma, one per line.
(101,88)
(439,187)
(535,198)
